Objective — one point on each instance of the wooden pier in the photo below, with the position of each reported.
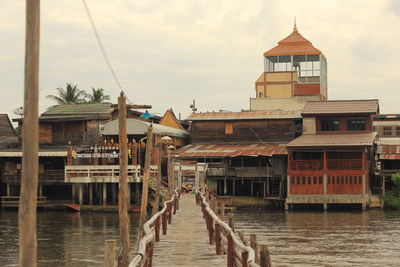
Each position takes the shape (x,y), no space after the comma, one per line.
(187,242)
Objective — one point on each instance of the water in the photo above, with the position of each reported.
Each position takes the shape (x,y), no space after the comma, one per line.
(370,238)
(64,239)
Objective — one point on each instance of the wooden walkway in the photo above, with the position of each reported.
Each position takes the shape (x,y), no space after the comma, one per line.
(186,242)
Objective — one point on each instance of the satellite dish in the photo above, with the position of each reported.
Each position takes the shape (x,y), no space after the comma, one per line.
(19,111)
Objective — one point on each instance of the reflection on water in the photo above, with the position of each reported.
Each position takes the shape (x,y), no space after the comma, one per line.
(369,238)
(64,239)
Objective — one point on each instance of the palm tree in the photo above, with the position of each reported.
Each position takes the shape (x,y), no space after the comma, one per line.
(98,96)
(70,95)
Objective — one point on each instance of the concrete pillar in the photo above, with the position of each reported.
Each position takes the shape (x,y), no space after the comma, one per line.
(325,184)
(179,179)
(40,190)
(80,194)
(90,194)
(364,185)
(104,194)
(196,179)
(73,187)
(225,188)
(114,192)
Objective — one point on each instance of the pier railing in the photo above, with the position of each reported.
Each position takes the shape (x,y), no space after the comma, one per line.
(238,254)
(151,230)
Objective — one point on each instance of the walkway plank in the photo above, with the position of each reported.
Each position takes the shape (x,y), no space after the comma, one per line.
(186,242)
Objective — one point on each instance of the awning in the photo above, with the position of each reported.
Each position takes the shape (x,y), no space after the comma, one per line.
(389,152)
(229,150)
(40,154)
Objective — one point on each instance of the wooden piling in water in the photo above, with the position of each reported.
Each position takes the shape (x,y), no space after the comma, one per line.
(265,260)
(30,140)
(109,253)
(255,246)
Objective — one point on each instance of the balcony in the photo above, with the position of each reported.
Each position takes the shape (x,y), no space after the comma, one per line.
(250,172)
(103,173)
(303,165)
(49,176)
(344,164)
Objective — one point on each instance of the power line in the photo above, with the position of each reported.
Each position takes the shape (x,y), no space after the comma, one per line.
(103,51)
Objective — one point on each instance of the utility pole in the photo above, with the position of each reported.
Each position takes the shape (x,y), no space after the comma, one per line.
(146,176)
(30,140)
(123,183)
(158,182)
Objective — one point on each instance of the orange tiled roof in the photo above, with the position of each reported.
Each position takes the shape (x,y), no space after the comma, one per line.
(367,106)
(294,44)
(333,140)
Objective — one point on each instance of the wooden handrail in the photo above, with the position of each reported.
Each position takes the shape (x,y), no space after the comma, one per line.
(215,224)
(151,231)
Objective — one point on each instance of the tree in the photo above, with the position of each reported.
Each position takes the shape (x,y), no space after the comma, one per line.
(98,96)
(70,95)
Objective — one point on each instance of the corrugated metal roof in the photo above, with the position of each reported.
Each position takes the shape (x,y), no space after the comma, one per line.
(341,107)
(229,150)
(137,127)
(245,115)
(6,128)
(330,140)
(79,109)
(40,154)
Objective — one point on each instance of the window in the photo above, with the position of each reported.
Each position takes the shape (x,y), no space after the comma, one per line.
(329,124)
(292,180)
(228,128)
(320,180)
(309,180)
(356,124)
(359,180)
(333,179)
(398,131)
(342,179)
(315,179)
(387,131)
(303,180)
(351,180)
(298,180)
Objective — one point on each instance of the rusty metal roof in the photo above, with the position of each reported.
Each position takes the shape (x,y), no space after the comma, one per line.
(229,150)
(368,106)
(332,140)
(245,115)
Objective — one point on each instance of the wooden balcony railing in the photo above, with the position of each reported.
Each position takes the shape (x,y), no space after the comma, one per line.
(302,165)
(50,175)
(344,164)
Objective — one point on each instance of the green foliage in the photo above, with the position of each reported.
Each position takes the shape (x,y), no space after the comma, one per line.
(392,197)
(70,95)
(98,96)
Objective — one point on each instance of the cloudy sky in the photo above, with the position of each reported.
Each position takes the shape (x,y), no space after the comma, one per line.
(166,53)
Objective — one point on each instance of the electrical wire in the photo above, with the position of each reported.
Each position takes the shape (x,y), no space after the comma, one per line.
(103,51)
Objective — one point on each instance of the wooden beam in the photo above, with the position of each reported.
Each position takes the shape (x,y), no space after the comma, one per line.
(133,106)
(30,142)
(109,253)
(123,183)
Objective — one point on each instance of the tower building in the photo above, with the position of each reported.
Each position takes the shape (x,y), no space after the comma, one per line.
(294,71)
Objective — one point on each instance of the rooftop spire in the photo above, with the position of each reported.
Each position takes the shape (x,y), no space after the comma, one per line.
(295,27)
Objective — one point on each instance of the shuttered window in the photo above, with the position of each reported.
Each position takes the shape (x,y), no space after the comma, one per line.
(228,128)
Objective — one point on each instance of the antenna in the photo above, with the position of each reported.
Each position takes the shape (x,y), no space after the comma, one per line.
(193,106)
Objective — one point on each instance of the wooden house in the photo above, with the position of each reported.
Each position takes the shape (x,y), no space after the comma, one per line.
(387,127)
(244,151)
(332,162)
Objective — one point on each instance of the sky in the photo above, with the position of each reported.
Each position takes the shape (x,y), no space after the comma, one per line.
(167,53)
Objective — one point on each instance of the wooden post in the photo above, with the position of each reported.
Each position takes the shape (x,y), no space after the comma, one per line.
(164,223)
(109,253)
(222,210)
(254,245)
(30,140)
(245,257)
(104,194)
(231,250)
(230,220)
(218,249)
(146,175)
(157,229)
(158,182)
(123,183)
(265,260)
(243,238)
